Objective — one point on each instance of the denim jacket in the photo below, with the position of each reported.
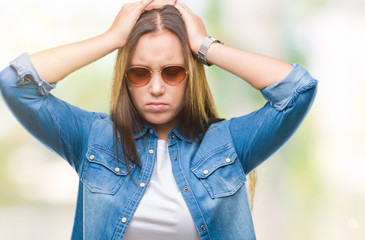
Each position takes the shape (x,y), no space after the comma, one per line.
(211,174)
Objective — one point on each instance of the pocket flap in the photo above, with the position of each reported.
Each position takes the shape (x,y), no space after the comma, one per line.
(220,157)
(108,160)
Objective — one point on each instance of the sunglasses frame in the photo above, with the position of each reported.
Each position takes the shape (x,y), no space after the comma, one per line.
(160,71)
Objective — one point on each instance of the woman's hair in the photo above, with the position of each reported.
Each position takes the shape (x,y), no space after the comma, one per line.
(198,110)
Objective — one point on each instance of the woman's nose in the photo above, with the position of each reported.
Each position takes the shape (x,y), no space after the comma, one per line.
(157,85)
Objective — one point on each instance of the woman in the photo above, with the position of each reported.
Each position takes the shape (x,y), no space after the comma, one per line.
(162,165)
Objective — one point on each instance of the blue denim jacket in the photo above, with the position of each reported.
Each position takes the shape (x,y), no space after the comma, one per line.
(210,174)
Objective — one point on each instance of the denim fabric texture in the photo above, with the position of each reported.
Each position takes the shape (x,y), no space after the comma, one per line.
(211,174)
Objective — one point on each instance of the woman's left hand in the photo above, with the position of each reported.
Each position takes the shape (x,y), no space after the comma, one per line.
(246,65)
(194,26)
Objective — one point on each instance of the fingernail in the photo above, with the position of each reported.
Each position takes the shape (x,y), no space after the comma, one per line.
(173,2)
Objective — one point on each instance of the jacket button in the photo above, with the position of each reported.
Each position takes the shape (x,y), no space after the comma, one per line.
(124,220)
(203,228)
(206,172)
(117,169)
(142,184)
(92,157)
(151,131)
(151,151)
(228,160)
(176,158)
(186,189)
(172,136)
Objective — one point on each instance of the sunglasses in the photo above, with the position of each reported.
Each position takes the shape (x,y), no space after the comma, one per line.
(140,76)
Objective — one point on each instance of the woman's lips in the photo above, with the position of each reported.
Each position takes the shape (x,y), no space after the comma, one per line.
(157,106)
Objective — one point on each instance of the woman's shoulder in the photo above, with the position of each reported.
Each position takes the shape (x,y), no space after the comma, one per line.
(219,129)
(101,119)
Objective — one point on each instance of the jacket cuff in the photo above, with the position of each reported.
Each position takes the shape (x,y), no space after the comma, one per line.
(283,94)
(27,74)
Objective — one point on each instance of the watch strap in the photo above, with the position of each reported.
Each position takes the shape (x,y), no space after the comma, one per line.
(202,53)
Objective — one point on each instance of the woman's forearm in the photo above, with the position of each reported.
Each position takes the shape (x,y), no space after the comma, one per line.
(56,63)
(258,70)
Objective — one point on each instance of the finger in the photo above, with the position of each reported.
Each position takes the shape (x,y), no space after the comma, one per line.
(145,3)
(173,2)
(160,3)
(184,10)
(183,7)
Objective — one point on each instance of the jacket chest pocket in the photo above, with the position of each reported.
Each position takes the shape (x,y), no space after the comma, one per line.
(102,173)
(220,172)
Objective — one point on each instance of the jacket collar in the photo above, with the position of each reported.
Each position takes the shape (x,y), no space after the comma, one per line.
(176,131)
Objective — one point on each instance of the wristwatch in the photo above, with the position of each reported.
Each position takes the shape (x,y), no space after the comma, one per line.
(202,53)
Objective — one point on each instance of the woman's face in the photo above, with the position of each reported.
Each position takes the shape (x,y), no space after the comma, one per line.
(158,102)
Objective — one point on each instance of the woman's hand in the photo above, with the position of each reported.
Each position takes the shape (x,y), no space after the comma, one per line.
(258,70)
(194,26)
(56,63)
(128,16)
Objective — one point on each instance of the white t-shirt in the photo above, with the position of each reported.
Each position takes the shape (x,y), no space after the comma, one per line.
(162,213)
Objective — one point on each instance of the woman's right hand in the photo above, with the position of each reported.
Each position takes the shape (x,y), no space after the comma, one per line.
(56,63)
(128,16)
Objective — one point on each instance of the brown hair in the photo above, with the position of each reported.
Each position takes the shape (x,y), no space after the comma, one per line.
(198,110)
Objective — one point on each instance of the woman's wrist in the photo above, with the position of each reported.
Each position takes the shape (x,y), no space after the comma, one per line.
(112,40)
(203,50)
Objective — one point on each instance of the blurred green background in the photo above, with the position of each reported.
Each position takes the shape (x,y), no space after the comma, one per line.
(313,188)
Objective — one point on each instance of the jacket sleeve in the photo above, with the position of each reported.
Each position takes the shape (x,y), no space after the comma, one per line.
(60,126)
(259,134)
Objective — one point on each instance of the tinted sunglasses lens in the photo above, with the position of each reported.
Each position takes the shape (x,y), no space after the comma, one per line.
(138,76)
(173,75)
